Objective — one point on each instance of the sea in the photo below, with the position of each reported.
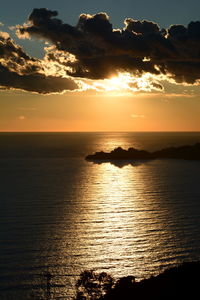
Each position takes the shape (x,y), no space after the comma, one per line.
(61,215)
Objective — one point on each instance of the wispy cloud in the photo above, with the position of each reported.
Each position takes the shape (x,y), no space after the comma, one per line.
(22,118)
(27,108)
(136,116)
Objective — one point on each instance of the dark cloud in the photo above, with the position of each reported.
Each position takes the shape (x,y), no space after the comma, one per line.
(93,49)
(20,71)
(144,27)
(177,33)
(35,82)
(101,50)
(99,24)
(100,68)
(42,23)
(8,48)
(40,16)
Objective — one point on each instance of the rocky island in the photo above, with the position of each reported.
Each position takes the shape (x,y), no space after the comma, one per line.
(189,152)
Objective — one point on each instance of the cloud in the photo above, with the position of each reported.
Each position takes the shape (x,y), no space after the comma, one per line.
(141,27)
(22,118)
(94,50)
(27,108)
(101,51)
(135,116)
(35,82)
(20,71)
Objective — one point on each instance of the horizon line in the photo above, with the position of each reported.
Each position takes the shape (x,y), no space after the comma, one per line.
(107,131)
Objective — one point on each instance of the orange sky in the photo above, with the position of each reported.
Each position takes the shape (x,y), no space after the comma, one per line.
(120,87)
(89,111)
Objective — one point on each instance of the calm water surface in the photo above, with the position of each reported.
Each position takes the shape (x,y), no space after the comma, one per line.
(62,214)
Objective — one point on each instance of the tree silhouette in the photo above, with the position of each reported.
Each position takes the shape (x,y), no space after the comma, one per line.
(93,286)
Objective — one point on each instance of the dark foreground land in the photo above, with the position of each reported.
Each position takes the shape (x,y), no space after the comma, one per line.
(132,154)
(182,282)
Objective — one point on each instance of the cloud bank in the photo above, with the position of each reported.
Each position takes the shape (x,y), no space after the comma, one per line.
(20,71)
(94,50)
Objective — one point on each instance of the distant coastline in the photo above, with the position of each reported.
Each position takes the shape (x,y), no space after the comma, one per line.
(187,152)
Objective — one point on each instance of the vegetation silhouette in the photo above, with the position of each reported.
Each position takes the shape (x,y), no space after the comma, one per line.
(92,285)
(121,157)
(181,282)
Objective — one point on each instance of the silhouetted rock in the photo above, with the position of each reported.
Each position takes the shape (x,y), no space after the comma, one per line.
(183,152)
(119,154)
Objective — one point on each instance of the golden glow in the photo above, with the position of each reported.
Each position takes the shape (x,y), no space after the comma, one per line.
(100,111)
(123,83)
(119,82)
(92,111)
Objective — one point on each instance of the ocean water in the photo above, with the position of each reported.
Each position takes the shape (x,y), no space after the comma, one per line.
(63,215)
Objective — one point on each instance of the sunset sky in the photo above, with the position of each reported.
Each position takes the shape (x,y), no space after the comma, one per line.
(100,65)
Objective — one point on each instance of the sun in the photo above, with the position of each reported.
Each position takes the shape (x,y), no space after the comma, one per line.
(120,82)
(122,78)
(124,83)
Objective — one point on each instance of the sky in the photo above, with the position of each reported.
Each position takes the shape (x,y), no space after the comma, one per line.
(100,65)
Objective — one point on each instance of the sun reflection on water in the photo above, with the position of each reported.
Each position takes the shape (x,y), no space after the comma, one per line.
(120,220)
(119,228)
(74,215)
